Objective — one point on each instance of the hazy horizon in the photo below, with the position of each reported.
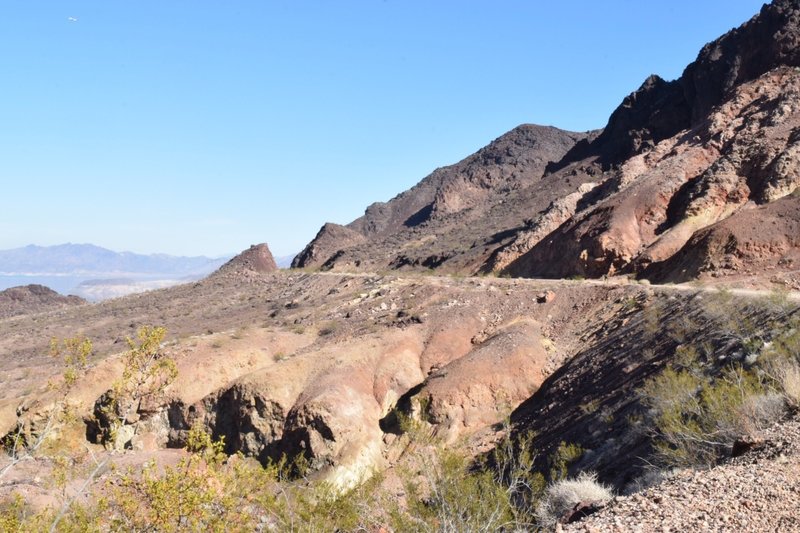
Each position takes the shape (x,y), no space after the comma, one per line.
(187,129)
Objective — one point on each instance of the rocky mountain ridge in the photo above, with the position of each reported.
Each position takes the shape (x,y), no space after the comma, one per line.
(419,227)
(88,258)
(348,371)
(674,158)
(33,299)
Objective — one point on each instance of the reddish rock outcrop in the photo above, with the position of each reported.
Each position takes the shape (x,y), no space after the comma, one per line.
(256,259)
(687,153)
(759,241)
(674,158)
(330,238)
(745,152)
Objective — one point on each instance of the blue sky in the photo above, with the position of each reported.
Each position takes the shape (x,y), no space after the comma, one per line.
(198,127)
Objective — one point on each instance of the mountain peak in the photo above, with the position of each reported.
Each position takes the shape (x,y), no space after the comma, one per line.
(256,259)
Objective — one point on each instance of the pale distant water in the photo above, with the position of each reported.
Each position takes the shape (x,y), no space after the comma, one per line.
(62,284)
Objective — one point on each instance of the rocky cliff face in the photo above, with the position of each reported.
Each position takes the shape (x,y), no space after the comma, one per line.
(744,154)
(675,158)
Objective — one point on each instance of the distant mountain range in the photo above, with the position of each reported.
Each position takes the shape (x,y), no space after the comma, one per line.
(84,269)
(285,261)
(87,258)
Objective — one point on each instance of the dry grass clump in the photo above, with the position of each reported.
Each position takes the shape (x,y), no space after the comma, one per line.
(788,376)
(561,496)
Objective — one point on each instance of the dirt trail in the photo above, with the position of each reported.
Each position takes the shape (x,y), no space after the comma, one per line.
(553,283)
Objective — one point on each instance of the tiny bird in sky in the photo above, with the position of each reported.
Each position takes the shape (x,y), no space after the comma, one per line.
(72,19)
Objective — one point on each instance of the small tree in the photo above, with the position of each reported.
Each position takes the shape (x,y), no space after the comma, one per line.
(147,372)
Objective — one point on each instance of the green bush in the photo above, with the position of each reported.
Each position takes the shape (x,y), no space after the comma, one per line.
(697,418)
(561,458)
(453,494)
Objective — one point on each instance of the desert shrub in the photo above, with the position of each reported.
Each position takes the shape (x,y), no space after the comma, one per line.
(445,491)
(329,328)
(452,496)
(74,353)
(562,458)
(455,499)
(781,362)
(650,477)
(563,495)
(37,428)
(787,374)
(698,417)
(590,407)
(206,491)
(17,517)
(147,371)
(732,374)
(760,411)
(211,491)
(188,497)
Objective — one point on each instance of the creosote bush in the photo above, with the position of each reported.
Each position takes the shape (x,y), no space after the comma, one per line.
(35,429)
(148,370)
(704,401)
(562,458)
(449,493)
(698,417)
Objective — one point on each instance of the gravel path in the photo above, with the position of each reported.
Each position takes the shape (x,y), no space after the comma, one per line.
(759,491)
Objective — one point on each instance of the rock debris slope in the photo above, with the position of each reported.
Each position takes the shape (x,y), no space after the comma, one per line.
(316,364)
(756,492)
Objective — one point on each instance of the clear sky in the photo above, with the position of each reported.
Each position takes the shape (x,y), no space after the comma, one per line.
(201,127)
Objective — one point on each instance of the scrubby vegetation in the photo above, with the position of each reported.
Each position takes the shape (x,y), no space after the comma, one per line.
(732,370)
(32,433)
(706,398)
(147,372)
(208,490)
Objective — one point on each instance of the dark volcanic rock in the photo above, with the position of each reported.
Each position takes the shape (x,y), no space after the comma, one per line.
(33,299)
(768,40)
(656,111)
(330,237)
(457,203)
(660,109)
